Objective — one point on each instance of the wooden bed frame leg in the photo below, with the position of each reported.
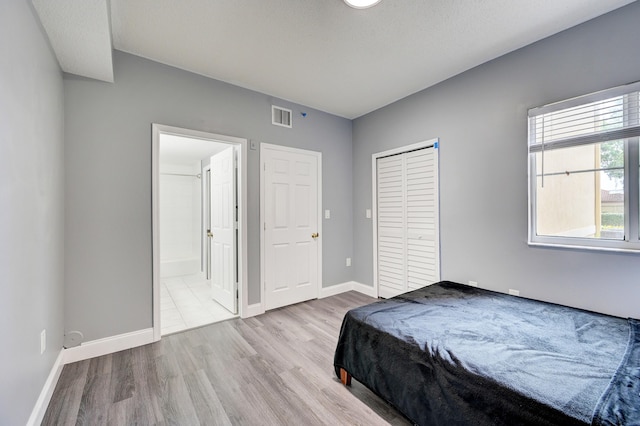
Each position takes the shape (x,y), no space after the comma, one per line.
(345,377)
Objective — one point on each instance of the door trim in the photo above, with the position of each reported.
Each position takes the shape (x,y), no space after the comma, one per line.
(204,243)
(318,155)
(242,144)
(374,198)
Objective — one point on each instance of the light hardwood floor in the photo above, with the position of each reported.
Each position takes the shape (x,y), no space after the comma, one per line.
(274,369)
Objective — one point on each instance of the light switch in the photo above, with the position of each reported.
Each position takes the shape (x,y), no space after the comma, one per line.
(327,214)
(368,213)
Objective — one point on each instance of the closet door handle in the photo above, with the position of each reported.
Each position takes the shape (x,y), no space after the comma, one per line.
(209,233)
(315,235)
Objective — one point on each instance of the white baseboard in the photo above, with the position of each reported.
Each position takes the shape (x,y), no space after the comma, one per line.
(335,289)
(177,268)
(108,345)
(348,286)
(365,289)
(253,310)
(258,308)
(47,390)
(85,351)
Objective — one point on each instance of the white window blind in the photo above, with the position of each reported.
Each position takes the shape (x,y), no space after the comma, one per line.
(604,116)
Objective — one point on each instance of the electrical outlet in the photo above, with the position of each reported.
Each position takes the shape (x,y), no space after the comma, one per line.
(367,213)
(348,261)
(327,214)
(473,283)
(514,292)
(43,341)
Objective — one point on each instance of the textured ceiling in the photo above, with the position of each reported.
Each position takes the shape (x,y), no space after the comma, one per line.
(326,55)
(181,150)
(80,34)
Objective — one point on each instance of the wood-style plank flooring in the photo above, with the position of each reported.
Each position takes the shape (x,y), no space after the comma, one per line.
(273,369)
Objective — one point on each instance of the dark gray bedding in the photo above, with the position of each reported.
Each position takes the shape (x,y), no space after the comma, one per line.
(453,354)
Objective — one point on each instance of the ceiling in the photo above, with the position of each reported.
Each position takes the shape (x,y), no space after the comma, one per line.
(318,53)
(188,151)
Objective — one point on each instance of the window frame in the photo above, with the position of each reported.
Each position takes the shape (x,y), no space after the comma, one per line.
(631,240)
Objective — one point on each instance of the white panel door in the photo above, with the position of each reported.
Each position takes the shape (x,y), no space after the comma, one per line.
(291,228)
(407,217)
(223,229)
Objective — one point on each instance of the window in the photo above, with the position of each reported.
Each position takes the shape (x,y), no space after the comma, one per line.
(584,184)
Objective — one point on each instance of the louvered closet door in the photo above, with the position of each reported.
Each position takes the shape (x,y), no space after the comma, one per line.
(391,225)
(407,213)
(421,216)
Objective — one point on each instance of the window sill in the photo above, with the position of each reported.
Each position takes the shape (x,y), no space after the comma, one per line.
(634,250)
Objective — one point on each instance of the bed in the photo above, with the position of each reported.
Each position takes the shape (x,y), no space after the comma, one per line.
(451,354)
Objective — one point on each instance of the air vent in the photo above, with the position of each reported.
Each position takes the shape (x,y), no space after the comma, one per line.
(281,116)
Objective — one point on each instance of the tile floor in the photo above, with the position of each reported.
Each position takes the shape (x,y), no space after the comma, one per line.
(185,302)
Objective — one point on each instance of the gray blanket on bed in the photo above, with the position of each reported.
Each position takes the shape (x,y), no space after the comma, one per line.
(620,404)
(453,354)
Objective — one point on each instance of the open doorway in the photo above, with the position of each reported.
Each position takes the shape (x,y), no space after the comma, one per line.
(198,228)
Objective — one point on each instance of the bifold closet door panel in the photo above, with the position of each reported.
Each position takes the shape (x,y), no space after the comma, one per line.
(391,223)
(420,217)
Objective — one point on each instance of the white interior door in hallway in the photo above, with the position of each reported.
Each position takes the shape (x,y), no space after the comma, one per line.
(290,212)
(407,218)
(223,231)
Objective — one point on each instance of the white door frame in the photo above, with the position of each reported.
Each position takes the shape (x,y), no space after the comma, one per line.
(242,144)
(374,199)
(206,206)
(318,155)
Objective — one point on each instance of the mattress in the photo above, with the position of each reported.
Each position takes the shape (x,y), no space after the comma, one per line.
(452,354)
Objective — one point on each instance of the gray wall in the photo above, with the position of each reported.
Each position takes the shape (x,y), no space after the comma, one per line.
(480,117)
(108,181)
(31,210)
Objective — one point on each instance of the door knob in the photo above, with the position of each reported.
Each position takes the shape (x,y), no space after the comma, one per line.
(209,233)
(315,235)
